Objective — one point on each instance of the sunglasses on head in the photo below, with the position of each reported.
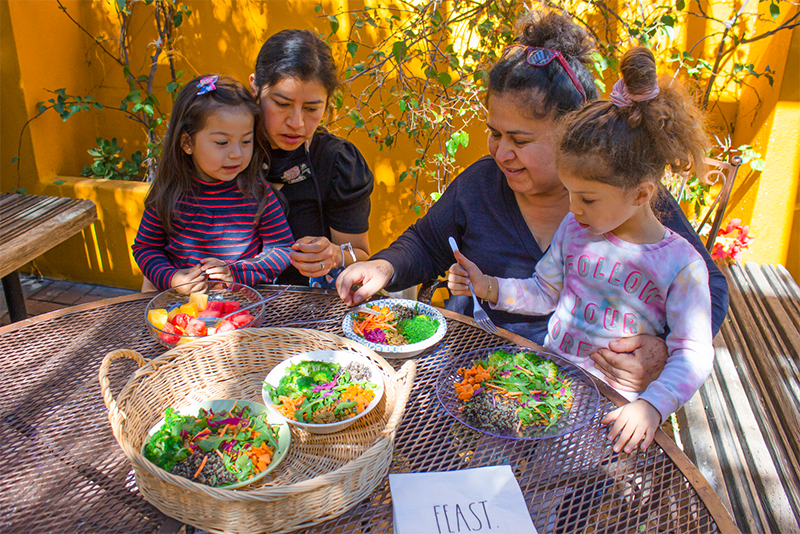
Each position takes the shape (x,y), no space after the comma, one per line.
(541,57)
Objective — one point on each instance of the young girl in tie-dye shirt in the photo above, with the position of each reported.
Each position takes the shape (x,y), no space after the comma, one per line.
(612,270)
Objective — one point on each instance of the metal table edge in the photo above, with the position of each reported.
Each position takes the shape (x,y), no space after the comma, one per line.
(713,503)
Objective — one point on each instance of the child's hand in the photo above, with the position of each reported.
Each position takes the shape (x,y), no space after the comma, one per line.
(462,273)
(186,276)
(634,422)
(216,269)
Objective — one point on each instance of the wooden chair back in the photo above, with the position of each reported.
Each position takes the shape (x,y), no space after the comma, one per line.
(719,173)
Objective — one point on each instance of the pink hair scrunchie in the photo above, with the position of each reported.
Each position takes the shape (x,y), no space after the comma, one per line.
(623,99)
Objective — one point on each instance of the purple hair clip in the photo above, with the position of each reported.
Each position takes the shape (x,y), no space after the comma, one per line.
(207,84)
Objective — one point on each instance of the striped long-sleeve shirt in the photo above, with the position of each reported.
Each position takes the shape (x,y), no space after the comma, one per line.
(215,222)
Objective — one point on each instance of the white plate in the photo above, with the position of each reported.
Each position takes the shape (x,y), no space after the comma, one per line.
(331,356)
(400,351)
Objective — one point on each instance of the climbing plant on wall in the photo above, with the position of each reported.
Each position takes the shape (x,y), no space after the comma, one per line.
(419,68)
(140,104)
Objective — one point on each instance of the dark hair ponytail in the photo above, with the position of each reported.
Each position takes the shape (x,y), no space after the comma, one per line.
(546,91)
(189,115)
(297,54)
(625,145)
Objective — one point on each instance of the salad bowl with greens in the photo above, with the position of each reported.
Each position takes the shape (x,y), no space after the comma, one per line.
(323,391)
(400,328)
(517,393)
(220,443)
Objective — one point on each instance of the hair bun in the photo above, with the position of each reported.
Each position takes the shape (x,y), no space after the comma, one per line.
(550,29)
(638,68)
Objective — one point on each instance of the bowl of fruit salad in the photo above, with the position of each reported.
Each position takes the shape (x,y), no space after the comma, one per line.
(190,311)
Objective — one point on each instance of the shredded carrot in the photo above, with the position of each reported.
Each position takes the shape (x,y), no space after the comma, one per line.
(366,323)
(224,429)
(202,465)
(220,453)
(358,330)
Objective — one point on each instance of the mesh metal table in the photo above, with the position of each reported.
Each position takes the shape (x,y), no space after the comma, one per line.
(62,470)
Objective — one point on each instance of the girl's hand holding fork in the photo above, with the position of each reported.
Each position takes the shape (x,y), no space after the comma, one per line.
(189,275)
(216,269)
(464,272)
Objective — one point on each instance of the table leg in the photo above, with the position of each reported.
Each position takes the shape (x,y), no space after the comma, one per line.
(14,297)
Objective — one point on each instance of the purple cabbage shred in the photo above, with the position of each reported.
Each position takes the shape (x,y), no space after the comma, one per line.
(323,387)
(376,335)
(228,421)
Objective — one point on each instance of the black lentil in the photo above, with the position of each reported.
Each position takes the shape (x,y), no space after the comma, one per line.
(481,410)
(213,474)
(403,312)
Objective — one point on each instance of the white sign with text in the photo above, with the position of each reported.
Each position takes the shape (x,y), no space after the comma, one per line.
(484,500)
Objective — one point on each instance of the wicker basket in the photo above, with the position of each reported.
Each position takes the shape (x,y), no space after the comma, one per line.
(323,475)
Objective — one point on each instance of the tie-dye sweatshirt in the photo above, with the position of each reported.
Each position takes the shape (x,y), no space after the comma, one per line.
(601,289)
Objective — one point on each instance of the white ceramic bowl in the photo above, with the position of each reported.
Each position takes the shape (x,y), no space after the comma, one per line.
(222,405)
(332,356)
(400,351)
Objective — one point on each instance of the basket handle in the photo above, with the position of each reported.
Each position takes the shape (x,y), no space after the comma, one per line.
(105,386)
(408,372)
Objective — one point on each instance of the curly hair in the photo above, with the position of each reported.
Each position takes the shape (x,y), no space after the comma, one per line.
(546,91)
(626,146)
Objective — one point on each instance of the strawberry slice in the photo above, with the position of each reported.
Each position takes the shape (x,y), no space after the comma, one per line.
(166,336)
(182,319)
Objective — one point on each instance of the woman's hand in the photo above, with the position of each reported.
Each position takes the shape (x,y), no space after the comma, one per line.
(315,256)
(633,423)
(187,276)
(631,363)
(216,269)
(372,275)
(464,272)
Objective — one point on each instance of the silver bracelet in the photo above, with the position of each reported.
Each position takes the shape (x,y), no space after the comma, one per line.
(349,248)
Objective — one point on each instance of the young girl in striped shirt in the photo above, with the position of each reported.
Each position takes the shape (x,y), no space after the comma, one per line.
(210,214)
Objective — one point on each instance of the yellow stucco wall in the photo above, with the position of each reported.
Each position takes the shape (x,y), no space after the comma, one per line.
(42,50)
(769,119)
(229,35)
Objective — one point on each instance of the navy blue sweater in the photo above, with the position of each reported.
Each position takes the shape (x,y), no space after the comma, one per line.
(480,211)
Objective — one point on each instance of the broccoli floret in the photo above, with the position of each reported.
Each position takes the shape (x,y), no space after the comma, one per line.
(418,328)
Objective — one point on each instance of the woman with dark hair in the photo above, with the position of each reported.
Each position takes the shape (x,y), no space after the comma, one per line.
(505,208)
(322,180)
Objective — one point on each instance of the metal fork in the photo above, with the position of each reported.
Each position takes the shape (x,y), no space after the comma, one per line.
(478,313)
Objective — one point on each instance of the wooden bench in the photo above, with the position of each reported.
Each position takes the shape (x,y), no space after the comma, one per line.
(31,225)
(742,429)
